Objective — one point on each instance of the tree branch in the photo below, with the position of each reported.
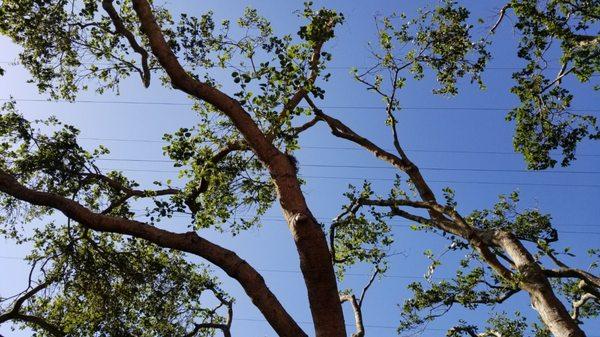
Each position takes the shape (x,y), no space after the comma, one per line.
(123,31)
(15,312)
(128,192)
(500,17)
(360,329)
(307,233)
(190,242)
(580,302)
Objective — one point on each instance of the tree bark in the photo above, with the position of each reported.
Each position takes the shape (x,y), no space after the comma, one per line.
(552,311)
(252,282)
(315,259)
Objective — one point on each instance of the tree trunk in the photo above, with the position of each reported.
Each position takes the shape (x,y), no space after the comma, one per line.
(315,261)
(551,310)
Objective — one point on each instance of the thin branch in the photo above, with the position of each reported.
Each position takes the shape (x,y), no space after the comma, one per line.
(202,186)
(16,315)
(367,286)
(293,102)
(299,129)
(564,73)
(580,302)
(128,192)
(500,17)
(122,30)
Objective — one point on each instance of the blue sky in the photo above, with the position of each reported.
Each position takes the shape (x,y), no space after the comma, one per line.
(427,128)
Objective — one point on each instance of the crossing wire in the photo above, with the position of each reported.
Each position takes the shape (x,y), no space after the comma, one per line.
(137,140)
(391,179)
(425,168)
(326,219)
(349,107)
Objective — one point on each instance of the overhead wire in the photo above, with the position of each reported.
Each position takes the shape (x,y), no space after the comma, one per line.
(320,147)
(348,107)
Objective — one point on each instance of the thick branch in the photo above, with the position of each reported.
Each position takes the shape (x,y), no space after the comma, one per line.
(190,242)
(591,281)
(308,235)
(42,323)
(358,321)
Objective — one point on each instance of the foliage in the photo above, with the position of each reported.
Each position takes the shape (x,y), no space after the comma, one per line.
(230,179)
(112,285)
(544,121)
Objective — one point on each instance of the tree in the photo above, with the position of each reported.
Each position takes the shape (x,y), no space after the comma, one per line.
(241,154)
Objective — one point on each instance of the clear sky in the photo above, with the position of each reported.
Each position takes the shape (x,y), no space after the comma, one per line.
(441,132)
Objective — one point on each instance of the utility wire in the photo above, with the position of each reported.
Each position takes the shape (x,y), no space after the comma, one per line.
(291,271)
(327,219)
(382,167)
(406,225)
(137,140)
(349,107)
(17,63)
(391,179)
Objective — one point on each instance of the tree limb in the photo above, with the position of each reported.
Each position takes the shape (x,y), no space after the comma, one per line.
(122,30)
(360,329)
(190,242)
(500,17)
(15,312)
(580,302)
(307,233)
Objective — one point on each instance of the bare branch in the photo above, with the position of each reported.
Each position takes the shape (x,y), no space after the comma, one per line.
(360,329)
(580,302)
(500,17)
(367,286)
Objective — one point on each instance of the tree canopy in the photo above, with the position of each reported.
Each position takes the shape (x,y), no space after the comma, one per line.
(97,269)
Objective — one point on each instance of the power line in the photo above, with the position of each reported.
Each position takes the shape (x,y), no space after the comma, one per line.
(291,271)
(402,222)
(325,219)
(349,107)
(17,63)
(391,179)
(452,169)
(408,226)
(460,182)
(137,140)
